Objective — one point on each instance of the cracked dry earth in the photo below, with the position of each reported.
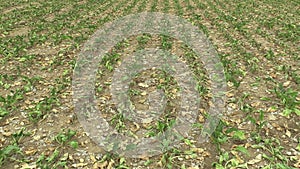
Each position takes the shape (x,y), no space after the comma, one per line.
(257,43)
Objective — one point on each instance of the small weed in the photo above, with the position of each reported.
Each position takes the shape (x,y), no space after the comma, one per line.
(53,161)
(227,162)
(218,136)
(274,151)
(167,159)
(160,127)
(39,110)
(7,152)
(270,55)
(65,137)
(143,40)
(288,98)
(10,100)
(166,44)
(118,122)
(122,164)
(19,135)
(110,60)
(3,112)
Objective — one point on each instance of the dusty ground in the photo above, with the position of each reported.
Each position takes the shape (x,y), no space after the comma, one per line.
(258,44)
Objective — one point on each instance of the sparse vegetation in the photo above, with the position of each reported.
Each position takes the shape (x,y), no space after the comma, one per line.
(257,43)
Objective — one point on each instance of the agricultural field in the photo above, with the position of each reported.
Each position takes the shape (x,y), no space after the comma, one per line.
(257,43)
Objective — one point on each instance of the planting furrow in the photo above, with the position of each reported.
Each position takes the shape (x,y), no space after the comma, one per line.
(160,6)
(138,7)
(22,16)
(191,5)
(272,49)
(257,44)
(82,26)
(222,38)
(130,9)
(178,7)
(142,6)
(245,45)
(11,8)
(172,7)
(166,6)
(243,57)
(153,6)
(40,30)
(268,22)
